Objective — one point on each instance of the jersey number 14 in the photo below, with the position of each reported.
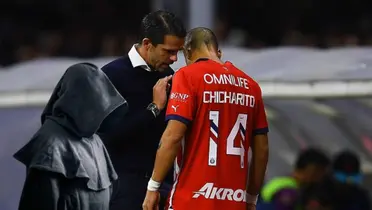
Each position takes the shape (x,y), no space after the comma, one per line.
(239,128)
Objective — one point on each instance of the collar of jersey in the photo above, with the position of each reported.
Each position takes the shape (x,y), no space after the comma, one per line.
(201,59)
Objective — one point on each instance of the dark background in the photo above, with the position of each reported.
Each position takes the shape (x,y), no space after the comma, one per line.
(82,28)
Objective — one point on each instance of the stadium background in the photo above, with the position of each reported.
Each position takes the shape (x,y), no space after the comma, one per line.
(313,59)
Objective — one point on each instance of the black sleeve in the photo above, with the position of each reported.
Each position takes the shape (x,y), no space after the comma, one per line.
(118,126)
(41,191)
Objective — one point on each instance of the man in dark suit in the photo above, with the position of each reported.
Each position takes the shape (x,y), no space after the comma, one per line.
(142,78)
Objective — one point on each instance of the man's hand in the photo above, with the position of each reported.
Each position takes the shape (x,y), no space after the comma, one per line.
(151,201)
(159,93)
(251,206)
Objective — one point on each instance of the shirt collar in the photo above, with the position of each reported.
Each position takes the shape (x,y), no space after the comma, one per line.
(136,59)
(201,59)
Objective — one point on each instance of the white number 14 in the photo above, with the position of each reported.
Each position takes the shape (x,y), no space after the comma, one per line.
(238,128)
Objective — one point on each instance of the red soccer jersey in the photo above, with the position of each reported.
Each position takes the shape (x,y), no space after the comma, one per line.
(223,109)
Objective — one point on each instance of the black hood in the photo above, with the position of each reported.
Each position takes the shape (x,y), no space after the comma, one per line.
(82,99)
(66,143)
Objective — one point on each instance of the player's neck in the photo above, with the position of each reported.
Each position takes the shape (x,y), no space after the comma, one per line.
(206,54)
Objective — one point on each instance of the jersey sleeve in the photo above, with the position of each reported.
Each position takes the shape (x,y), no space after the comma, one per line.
(260,124)
(181,101)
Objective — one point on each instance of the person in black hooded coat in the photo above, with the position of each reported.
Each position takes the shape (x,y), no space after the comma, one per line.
(67,164)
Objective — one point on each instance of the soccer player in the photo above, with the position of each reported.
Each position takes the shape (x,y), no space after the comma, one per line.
(215,113)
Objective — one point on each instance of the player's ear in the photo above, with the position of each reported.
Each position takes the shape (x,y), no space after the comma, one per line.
(188,53)
(219,53)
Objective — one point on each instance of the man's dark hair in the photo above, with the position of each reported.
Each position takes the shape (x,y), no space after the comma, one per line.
(200,36)
(156,25)
(312,156)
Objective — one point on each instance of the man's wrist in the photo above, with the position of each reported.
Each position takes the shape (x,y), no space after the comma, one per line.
(153,185)
(154,109)
(158,106)
(251,199)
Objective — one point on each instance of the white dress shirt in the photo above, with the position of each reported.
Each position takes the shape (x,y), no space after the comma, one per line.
(136,59)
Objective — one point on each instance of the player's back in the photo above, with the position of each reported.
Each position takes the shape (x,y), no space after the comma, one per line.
(214,163)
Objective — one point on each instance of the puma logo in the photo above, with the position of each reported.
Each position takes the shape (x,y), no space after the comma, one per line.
(175,108)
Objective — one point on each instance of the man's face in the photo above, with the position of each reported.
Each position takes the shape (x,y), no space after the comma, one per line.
(163,55)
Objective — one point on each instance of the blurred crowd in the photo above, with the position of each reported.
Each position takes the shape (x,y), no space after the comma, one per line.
(318,183)
(31,29)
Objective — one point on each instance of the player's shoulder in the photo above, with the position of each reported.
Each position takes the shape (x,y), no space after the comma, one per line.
(191,68)
(119,64)
(181,72)
(189,71)
(253,82)
(240,73)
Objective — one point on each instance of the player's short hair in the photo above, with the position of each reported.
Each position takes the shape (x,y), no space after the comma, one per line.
(156,25)
(200,36)
(312,156)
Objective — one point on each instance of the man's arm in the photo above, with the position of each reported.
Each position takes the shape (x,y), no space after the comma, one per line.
(133,121)
(117,124)
(257,170)
(170,145)
(259,147)
(136,122)
(179,113)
